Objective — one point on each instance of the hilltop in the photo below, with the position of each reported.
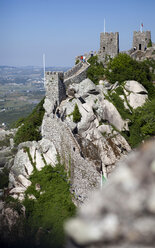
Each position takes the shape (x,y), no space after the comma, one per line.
(92,116)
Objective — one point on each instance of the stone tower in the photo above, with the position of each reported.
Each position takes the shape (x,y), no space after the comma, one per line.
(109,44)
(141,39)
(55,89)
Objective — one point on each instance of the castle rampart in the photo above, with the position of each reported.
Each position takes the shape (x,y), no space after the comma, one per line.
(83,174)
(55,88)
(73,70)
(77,74)
(141,40)
(109,44)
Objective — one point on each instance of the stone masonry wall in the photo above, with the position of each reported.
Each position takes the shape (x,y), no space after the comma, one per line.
(72,71)
(141,39)
(109,44)
(83,173)
(77,78)
(55,88)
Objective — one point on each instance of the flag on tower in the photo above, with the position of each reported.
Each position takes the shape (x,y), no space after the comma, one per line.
(141,27)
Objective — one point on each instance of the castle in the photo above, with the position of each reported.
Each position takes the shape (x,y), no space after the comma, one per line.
(141,40)
(109,44)
(63,132)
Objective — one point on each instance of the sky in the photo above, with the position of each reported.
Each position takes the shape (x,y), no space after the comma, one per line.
(63,29)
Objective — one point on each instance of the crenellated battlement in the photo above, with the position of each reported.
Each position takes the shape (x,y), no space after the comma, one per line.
(73,70)
(55,88)
(109,44)
(51,75)
(141,40)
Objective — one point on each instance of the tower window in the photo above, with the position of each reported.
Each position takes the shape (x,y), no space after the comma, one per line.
(140,46)
(103,49)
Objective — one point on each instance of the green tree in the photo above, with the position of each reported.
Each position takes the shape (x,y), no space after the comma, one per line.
(76,114)
(96,70)
(143,124)
(150,43)
(123,68)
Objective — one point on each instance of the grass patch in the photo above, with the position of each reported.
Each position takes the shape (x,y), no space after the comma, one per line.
(27,150)
(50,209)
(6,140)
(29,131)
(119,104)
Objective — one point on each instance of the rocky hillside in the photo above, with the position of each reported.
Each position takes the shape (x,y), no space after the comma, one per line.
(72,141)
(88,145)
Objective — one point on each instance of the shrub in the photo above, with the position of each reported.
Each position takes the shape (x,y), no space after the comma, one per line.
(19,122)
(123,68)
(29,131)
(96,70)
(119,90)
(6,141)
(45,215)
(150,43)
(76,114)
(77,61)
(119,104)
(143,124)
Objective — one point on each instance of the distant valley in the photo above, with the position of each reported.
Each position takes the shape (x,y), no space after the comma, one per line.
(21,88)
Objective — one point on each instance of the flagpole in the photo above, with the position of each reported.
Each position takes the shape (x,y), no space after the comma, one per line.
(44,66)
(104,25)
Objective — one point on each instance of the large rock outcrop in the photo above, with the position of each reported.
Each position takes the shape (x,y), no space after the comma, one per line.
(123,213)
(98,119)
(29,156)
(136,93)
(6,146)
(98,130)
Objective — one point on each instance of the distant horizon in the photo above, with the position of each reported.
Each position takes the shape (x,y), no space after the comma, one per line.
(65,29)
(39,66)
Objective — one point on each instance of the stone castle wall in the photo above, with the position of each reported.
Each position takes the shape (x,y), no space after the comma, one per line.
(55,88)
(87,55)
(77,74)
(83,173)
(141,39)
(77,78)
(109,44)
(72,71)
